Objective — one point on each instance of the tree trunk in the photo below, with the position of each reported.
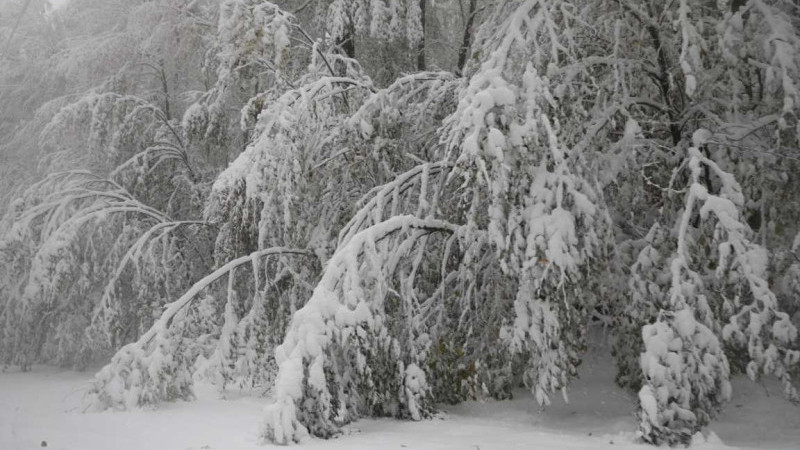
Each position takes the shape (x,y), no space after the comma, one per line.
(421,66)
(467,40)
(348,42)
(165,89)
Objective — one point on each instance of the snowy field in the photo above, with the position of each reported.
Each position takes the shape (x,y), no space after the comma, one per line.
(45,406)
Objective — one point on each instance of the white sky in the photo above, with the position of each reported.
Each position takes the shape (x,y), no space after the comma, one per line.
(55,3)
(58,3)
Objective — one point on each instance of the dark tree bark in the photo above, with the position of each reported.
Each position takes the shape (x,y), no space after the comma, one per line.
(348,42)
(421,63)
(466,42)
(165,89)
(347,45)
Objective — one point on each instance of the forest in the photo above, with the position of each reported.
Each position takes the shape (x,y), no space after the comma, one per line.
(370,208)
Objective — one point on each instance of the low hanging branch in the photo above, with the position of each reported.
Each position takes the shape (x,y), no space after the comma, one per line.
(374,204)
(154,368)
(323,359)
(53,264)
(174,308)
(106,314)
(151,158)
(67,231)
(686,371)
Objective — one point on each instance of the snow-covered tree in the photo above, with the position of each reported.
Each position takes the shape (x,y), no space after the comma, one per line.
(294,197)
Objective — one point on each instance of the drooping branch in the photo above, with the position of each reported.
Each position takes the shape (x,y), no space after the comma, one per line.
(106,312)
(174,308)
(347,307)
(372,206)
(138,373)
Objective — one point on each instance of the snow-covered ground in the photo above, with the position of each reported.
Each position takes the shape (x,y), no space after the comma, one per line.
(45,406)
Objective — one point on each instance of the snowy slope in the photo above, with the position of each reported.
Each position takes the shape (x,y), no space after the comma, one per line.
(44,405)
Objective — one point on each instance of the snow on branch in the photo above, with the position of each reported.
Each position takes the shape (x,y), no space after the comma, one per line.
(377,19)
(373,206)
(279,126)
(67,233)
(684,366)
(106,316)
(783,51)
(251,35)
(511,137)
(419,92)
(99,129)
(336,342)
(158,367)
